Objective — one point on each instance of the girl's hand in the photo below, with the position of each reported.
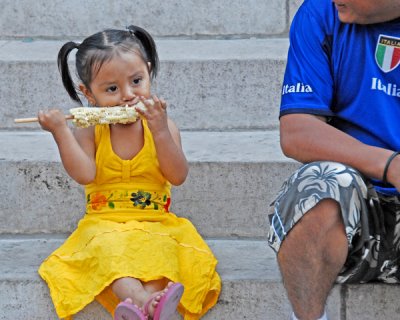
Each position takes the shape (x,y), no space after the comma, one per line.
(155,114)
(52,120)
(167,140)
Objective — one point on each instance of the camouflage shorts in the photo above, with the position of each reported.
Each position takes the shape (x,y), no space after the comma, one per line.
(371,220)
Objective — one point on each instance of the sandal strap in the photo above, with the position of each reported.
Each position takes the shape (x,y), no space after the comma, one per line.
(146,308)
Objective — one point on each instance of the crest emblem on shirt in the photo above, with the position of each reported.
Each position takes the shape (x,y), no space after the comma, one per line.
(387,53)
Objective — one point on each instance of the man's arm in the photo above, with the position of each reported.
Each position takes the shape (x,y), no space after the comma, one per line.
(308,138)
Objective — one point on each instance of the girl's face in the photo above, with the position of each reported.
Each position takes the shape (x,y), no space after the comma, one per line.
(119,81)
(367,11)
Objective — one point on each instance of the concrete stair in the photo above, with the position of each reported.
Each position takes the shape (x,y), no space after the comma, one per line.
(224,187)
(209,84)
(251,285)
(222,64)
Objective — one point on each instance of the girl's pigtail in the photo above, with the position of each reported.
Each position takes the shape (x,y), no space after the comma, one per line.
(62,62)
(149,46)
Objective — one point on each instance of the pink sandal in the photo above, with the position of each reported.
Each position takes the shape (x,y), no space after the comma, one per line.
(166,307)
(128,311)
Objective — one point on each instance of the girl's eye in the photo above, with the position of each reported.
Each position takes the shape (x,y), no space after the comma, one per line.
(137,81)
(112,89)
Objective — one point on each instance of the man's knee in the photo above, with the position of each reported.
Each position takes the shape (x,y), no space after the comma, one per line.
(320,231)
(310,204)
(318,220)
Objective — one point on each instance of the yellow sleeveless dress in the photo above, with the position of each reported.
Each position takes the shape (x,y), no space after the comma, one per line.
(128,231)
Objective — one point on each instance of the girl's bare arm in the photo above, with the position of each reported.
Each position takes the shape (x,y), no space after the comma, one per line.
(170,155)
(77,150)
(167,140)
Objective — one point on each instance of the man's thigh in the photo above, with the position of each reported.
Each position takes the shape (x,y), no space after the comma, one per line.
(362,213)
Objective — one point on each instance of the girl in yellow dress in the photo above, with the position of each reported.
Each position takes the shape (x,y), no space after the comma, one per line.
(129,252)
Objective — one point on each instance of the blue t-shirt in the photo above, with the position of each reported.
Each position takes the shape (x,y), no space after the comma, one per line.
(349,73)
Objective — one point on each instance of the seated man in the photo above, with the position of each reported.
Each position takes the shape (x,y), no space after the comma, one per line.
(337,218)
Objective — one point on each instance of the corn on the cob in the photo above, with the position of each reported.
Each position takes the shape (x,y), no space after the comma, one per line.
(85,117)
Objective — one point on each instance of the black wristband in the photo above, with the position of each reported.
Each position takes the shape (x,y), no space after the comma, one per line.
(384,178)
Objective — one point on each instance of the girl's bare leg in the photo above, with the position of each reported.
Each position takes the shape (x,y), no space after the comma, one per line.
(138,293)
(130,288)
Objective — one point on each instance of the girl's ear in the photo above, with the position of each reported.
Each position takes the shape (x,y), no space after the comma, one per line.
(87,93)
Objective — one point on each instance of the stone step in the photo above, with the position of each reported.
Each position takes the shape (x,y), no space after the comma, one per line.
(191,18)
(208,84)
(246,267)
(233,178)
(251,285)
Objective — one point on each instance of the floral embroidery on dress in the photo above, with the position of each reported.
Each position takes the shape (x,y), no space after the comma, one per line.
(167,204)
(98,201)
(126,199)
(141,199)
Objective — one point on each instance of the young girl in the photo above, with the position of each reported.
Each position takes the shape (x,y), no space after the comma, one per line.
(128,252)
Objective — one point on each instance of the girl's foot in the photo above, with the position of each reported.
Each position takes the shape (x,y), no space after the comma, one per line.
(126,310)
(152,302)
(162,305)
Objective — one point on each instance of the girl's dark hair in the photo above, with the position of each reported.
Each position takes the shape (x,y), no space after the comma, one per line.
(100,48)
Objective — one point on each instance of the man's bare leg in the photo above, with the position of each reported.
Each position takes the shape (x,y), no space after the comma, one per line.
(311,257)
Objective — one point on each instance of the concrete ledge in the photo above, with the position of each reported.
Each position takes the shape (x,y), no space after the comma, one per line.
(233,178)
(246,267)
(208,84)
(252,286)
(174,18)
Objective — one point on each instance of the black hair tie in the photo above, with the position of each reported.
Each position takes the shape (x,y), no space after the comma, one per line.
(388,162)
(132,32)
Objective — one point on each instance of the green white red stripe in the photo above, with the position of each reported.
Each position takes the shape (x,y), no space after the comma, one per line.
(387,53)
